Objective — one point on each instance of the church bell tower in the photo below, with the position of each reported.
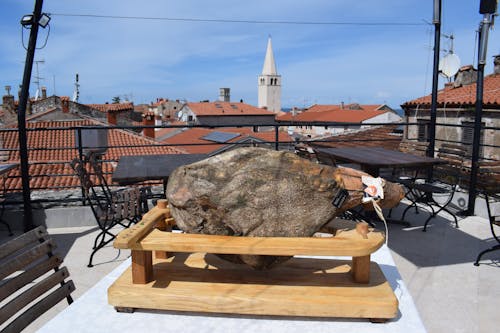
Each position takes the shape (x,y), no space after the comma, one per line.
(270,83)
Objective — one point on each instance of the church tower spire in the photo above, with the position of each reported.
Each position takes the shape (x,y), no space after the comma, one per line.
(269,84)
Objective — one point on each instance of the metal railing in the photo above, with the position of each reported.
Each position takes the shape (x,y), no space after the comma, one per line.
(51,152)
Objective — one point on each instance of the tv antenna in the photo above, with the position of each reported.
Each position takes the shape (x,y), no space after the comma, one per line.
(76,93)
(38,78)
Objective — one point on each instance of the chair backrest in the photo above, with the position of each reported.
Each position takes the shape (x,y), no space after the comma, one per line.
(453,153)
(413,147)
(453,172)
(29,270)
(108,205)
(325,158)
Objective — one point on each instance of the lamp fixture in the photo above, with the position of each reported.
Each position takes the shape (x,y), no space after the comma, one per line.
(44,20)
(27,20)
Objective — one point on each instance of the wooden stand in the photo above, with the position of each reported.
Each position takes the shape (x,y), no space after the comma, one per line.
(193,279)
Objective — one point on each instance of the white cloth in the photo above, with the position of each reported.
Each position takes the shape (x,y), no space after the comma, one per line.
(92,313)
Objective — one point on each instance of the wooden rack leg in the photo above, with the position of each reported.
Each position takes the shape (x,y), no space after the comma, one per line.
(361,269)
(163,227)
(142,267)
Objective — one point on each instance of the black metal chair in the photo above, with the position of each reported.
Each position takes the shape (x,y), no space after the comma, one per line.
(487,184)
(111,209)
(445,182)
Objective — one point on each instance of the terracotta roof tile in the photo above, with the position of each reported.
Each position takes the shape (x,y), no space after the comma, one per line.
(226,108)
(341,116)
(201,146)
(464,95)
(49,146)
(112,107)
(382,136)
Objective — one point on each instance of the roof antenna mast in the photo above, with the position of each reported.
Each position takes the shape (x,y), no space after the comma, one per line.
(76,93)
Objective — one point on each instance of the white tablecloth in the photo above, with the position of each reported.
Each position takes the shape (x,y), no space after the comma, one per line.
(92,313)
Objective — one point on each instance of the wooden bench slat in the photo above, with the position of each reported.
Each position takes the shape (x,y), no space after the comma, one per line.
(349,243)
(10,286)
(25,258)
(39,308)
(21,241)
(28,296)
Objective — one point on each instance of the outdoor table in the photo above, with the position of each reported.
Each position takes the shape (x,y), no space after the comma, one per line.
(138,168)
(372,159)
(92,313)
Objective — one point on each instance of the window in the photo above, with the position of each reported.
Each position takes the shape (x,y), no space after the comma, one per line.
(190,118)
(468,137)
(422,130)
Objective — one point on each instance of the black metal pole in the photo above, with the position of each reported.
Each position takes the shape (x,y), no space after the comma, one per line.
(476,142)
(276,138)
(21,117)
(435,79)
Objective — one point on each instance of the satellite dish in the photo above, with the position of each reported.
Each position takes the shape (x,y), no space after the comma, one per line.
(449,65)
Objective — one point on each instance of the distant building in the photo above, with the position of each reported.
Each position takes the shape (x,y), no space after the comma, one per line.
(269,84)
(225,113)
(350,113)
(166,109)
(456,106)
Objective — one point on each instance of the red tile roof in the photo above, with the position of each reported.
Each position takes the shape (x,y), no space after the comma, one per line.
(333,113)
(226,109)
(382,136)
(195,136)
(464,96)
(58,146)
(337,107)
(112,107)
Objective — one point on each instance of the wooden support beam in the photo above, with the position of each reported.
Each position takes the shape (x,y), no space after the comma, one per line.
(142,267)
(361,269)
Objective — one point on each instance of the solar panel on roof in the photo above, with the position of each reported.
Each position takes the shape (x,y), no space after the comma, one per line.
(220,137)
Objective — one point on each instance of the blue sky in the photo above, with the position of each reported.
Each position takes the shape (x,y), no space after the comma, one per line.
(325,64)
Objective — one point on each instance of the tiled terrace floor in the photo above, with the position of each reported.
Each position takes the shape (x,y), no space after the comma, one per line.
(451,294)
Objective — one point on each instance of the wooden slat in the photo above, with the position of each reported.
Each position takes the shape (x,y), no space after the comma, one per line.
(25,258)
(10,286)
(349,243)
(23,240)
(128,237)
(39,308)
(32,294)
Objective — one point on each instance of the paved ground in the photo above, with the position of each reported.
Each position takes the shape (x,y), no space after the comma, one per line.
(451,294)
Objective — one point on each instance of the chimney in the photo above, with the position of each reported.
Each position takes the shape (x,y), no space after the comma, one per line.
(466,75)
(496,62)
(8,100)
(148,119)
(44,92)
(224,95)
(65,105)
(342,105)
(112,117)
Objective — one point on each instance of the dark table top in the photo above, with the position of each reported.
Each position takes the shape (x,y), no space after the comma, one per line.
(138,168)
(374,158)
